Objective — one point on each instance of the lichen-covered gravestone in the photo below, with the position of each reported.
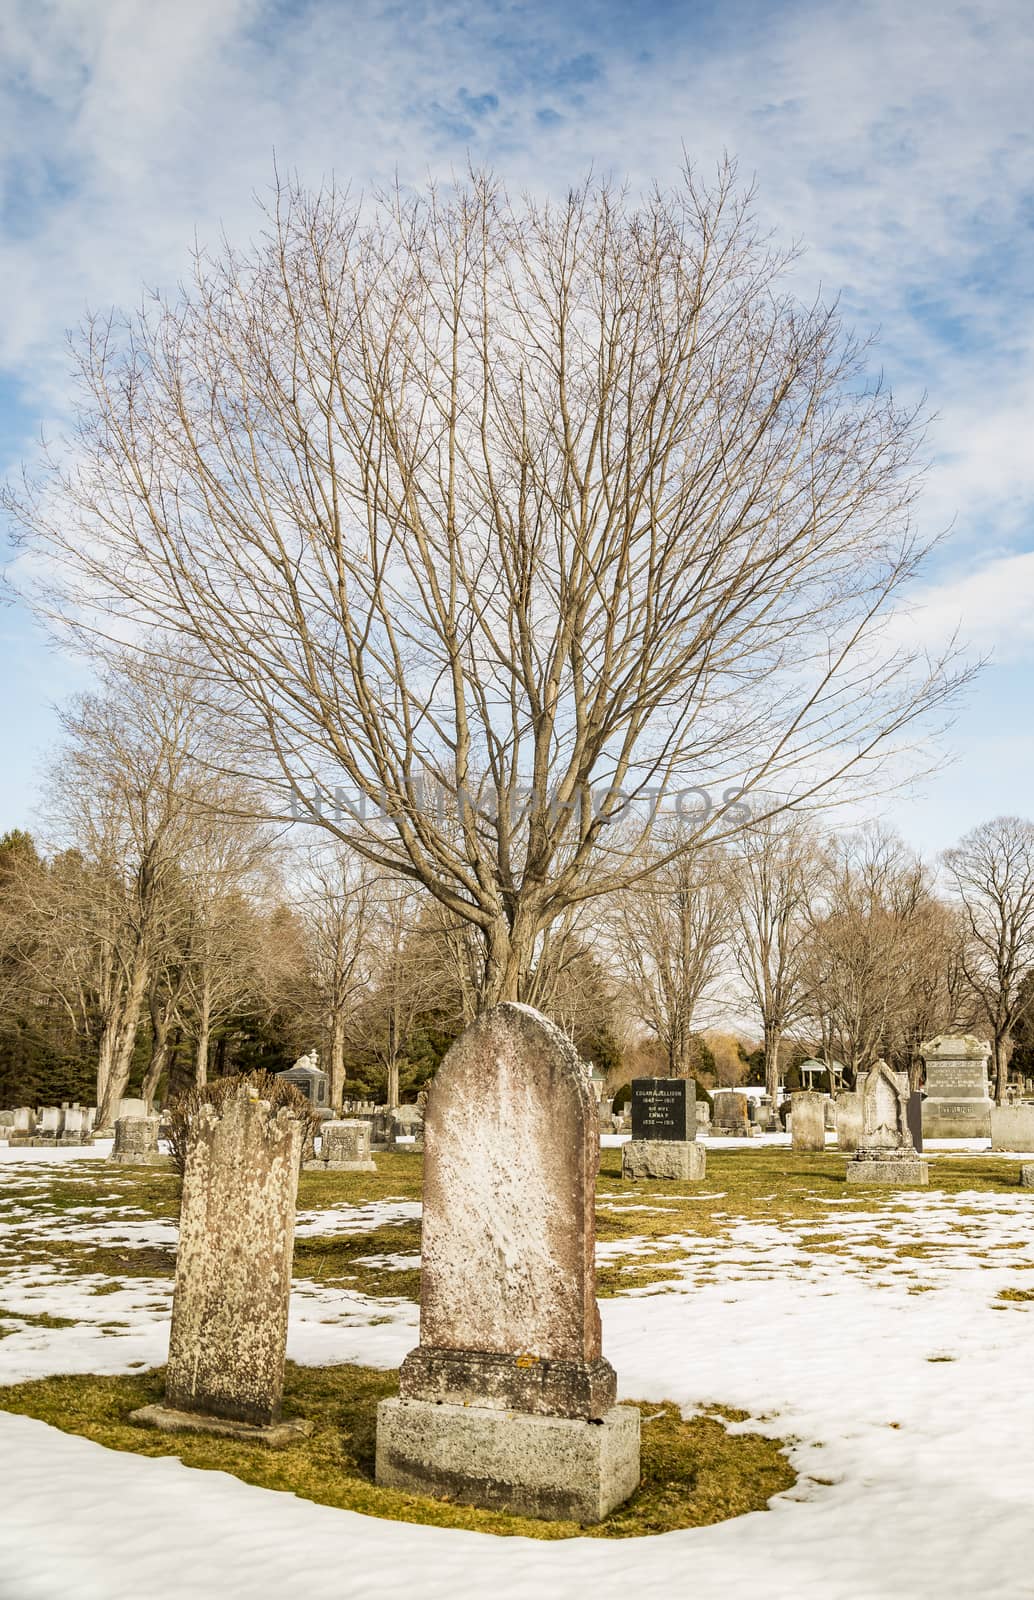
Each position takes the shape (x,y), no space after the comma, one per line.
(508,1402)
(808,1122)
(885,1152)
(233,1274)
(664,1129)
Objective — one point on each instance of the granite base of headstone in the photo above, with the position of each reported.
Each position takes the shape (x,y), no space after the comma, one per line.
(958,1100)
(227,1345)
(508,1402)
(344,1147)
(136,1143)
(1027,1175)
(664,1127)
(807,1122)
(886,1154)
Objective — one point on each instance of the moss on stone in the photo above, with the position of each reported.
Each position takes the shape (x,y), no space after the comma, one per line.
(694,1472)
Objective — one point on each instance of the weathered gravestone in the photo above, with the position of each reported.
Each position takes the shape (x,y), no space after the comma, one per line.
(508,1402)
(132,1106)
(51,1122)
(848,1120)
(664,1128)
(136,1143)
(344,1147)
(885,1151)
(730,1115)
(957,1104)
(1012,1127)
(233,1274)
(807,1121)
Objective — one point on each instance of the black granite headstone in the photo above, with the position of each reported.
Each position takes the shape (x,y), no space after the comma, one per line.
(664,1108)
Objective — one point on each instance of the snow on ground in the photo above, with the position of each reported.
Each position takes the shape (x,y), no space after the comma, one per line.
(902,1380)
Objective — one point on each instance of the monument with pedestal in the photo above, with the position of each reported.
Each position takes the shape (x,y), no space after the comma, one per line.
(885,1152)
(507,1402)
(958,1102)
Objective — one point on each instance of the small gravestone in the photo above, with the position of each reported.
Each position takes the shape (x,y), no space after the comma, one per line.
(50,1123)
(1027,1175)
(136,1143)
(1012,1127)
(849,1120)
(508,1402)
(225,1373)
(344,1147)
(807,1122)
(132,1106)
(958,1101)
(664,1127)
(730,1113)
(74,1126)
(829,1111)
(885,1153)
(703,1116)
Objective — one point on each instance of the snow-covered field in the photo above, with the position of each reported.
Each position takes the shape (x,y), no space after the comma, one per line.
(903,1381)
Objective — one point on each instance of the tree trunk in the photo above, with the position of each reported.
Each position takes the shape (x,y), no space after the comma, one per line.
(161,1027)
(773,1039)
(392,1089)
(336,1088)
(124,1043)
(1002,1056)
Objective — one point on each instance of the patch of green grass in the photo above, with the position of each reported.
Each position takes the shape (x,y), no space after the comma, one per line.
(338,1260)
(31,1319)
(693,1473)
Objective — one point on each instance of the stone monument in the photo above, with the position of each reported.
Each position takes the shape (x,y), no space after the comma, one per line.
(507,1402)
(885,1151)
(664,1128)
(807,1121)
(957,1104)
(136,1143)
(344,1147)
(233,1274)
(730,1113)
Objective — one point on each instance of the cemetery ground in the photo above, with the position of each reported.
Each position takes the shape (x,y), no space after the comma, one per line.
(832,1384)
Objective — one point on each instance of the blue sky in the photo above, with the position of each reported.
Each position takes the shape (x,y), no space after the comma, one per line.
(893,140)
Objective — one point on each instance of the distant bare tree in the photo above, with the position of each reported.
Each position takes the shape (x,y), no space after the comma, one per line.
(992,871)
(669,934)
(496,516)
(334,895)
(773,877)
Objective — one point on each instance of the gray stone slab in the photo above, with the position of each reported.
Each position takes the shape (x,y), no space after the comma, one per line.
(848,1120)
(897,1174)
(807,1122)
(1012,1128)
(679,1161)
(275,1435)
(556,1468)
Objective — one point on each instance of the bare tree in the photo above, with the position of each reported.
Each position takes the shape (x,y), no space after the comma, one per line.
(992,871)
(498,516)
(773,878)
(669,934)
(879,953)
(334,897)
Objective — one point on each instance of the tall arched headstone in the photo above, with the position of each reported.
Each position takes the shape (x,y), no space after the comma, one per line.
(507,1401)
